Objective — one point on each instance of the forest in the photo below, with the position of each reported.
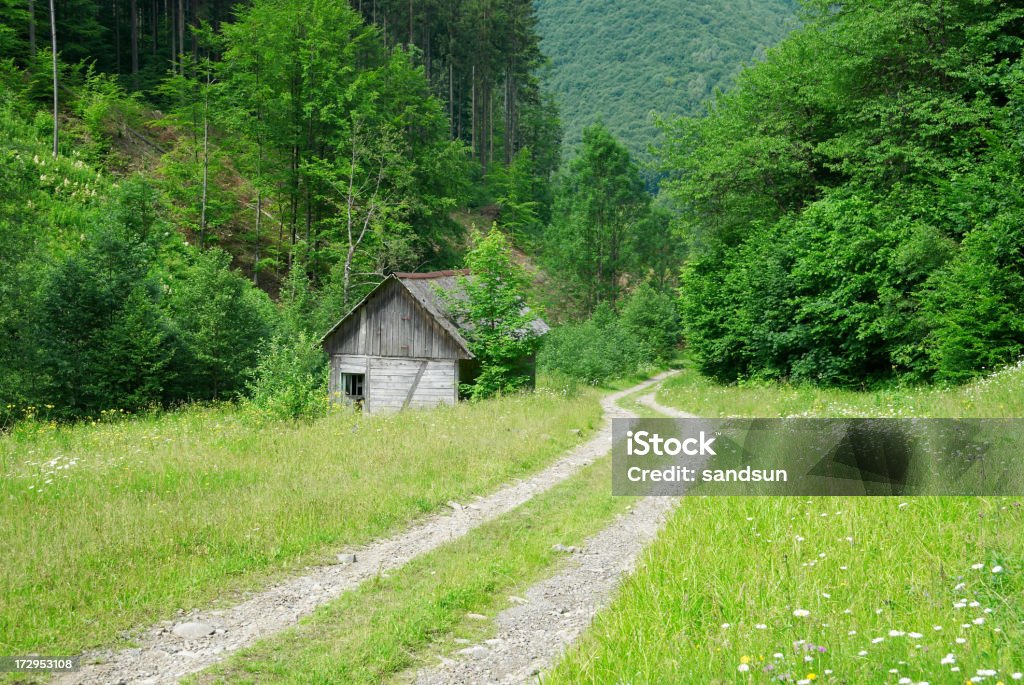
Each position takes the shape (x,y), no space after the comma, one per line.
(626,64)
(853,204)
(193,193)
(220,183)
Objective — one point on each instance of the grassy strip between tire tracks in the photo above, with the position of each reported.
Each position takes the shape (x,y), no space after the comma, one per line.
(395,622)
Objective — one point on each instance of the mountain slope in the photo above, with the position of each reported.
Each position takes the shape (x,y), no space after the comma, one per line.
(620,61)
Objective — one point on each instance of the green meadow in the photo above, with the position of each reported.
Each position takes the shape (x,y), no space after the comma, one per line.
(113,526)
(822,590)
(998,395)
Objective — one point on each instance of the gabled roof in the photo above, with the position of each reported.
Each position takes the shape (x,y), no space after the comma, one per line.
(424,288)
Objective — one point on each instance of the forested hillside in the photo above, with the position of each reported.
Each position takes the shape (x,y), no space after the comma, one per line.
(205,156)
(854,203)
(617,62)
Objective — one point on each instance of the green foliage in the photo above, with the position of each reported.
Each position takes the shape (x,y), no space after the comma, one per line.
(652,317)
(289,133)
(611,345)
(618,62)
(520,193)
(103,306)
(344,132)
(867,229)
(290,379)
(604,231)
(593,351)
(12,17)
(106,110)
(220,320)
(493,304)
(974,306)
(100,338)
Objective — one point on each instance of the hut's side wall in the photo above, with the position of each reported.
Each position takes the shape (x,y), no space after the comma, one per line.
(394,383)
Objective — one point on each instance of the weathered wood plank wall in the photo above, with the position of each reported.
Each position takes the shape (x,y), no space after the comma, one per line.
(394,384)
(393,324)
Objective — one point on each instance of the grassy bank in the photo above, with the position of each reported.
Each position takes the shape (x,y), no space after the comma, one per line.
(998,395)
(374,633)
(889,589)
(113,526)
(820,590)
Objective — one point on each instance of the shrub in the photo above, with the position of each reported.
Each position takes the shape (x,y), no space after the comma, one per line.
(290,379)
(593,351)
(652,317)
(221,321)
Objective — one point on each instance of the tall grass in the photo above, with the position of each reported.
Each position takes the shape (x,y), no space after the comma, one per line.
(996,396)
(112,526)
(822,590)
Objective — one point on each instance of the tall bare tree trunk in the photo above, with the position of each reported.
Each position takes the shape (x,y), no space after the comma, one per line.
(206,162)
(428,58)
(181,35)
(53,48)
(172,25)
(117,37)
(259,223)
(134,14)
(32,27)
(472,107)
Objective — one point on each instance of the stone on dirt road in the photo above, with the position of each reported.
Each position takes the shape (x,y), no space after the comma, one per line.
(475,652)
(559,547)
(193,630)
(346,558)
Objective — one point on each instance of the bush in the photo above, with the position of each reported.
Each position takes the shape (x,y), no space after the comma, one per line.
(593,351)
(652,317)
(221,320)
(501,334)
(290,379)
(869,230)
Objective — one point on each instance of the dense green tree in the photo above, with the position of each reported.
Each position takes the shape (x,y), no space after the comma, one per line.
(101,339)
(594,350)
(592,243)
(516,189)
(652,317)
(220,321)
(499,319)
(361,145)
(843,195)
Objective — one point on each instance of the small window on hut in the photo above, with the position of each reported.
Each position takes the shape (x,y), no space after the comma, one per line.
(353,385)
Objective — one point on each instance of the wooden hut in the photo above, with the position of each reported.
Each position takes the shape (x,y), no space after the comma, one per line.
(400,346)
